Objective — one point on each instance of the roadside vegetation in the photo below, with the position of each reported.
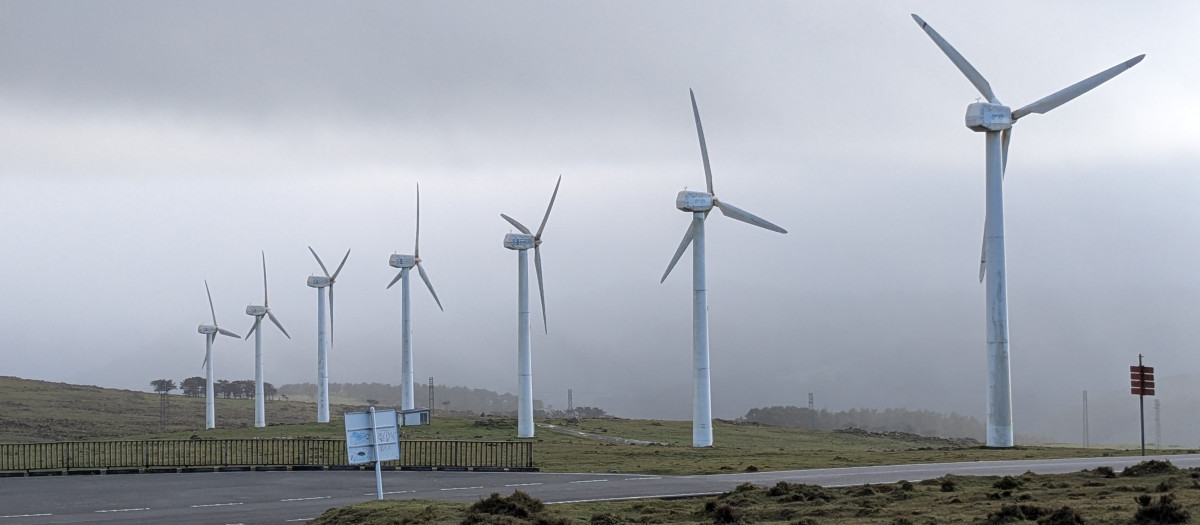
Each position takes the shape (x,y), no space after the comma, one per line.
(1152,492)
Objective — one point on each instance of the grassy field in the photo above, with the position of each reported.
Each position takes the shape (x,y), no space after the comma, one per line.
(1153,492)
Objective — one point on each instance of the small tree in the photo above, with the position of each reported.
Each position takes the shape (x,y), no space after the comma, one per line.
(193,386)
(222,388)
(269,391)
(163,386)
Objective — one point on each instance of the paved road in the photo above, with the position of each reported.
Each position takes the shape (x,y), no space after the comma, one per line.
(295,497)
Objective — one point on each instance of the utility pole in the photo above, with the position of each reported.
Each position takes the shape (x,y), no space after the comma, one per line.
(570,402)
(812,414)
(1086,442)
(1157,426)
(431,395)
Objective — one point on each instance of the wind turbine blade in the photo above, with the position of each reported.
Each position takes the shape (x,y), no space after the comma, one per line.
(733,212)
(430,285)
(967,69)
(537,264)
(1005,137)
(339,268)
(516,224)
(314,252)
(417,244)
(1079,88)
(703,146)
(210,303)
(983,254)
(330,313)
(397,279)
(264,259)
(253,328)
(687,239)
(551,205)
(276,321)
(205,363)
(227,332)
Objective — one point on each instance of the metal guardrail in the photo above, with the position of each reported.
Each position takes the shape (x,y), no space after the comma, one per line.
(95,455)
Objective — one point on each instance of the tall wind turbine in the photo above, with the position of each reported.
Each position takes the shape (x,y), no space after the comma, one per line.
(323,344)
(699,203)
(406,263)
(522,242)
(996,121)
(260,410)
(210,332)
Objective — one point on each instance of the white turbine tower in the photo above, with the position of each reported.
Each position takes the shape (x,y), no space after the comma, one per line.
(406,263)
(522,242)
(210,332)
(996,121)
(699,203)
(260,416)
(323,342)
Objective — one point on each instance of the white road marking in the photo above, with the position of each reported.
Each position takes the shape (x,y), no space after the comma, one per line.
(637,479)
(522,484)
(463,488)
(124,510)
(590,481)
(392,492)
(300,519)
(214,505)
(25,515)
(305,499)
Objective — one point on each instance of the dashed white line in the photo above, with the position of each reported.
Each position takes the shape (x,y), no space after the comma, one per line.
(301,519)
(214,505)
(522,484)
(124,510)
(306,499)
(638,479)
(590,481)
(25,515)
(463,488)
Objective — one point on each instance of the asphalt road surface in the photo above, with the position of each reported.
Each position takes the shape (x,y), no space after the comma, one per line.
(296,497)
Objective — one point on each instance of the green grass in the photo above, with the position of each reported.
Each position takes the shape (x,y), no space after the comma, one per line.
(1090,496)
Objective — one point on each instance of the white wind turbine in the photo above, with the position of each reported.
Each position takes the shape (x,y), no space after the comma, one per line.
(210,332)
(260,416)
(522,242)
(323,344)
(699,203)
(996,121)
(406,263)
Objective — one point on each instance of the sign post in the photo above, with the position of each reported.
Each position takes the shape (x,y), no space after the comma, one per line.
(1142,384)
(373,436)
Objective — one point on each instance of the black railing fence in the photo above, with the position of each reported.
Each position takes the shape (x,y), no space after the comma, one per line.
(68,455)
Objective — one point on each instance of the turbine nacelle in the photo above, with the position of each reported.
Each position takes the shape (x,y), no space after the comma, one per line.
(256,310)
(318,281)
(207,329)
(694,201)
(402,261)
(520,241)
(985,116)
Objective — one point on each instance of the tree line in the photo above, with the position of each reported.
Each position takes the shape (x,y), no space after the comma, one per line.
(456,398)
(197,387)
(923,422)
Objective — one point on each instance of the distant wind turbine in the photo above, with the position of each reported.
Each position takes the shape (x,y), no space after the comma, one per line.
(996,121)
(210,334)
(699,203)
(522,242)
(321,283)
(260,416)
(406,263)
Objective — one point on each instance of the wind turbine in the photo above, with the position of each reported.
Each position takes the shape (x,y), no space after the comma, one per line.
(699,203)
(210,332)
(522,242)
(321,283)
(260,416)
(996,121)
(406,263)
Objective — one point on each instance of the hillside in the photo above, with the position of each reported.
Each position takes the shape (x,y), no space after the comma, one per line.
(33,411)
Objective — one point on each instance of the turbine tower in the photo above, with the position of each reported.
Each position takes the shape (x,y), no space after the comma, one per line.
(323,344)
(260,416)
(406,263)
(522,242)
(210,332)
(699,203)
(996,121)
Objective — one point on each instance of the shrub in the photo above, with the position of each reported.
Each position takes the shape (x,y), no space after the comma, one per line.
(1146,468)
(1105,471)
(1167,510)
(519,504)
(1007,483)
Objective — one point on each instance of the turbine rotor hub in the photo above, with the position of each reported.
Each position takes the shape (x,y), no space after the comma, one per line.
(985,116)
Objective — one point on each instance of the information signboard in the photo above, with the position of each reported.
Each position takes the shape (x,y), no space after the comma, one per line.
(361,436)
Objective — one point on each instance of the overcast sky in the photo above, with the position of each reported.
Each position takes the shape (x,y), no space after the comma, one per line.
(147,146)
